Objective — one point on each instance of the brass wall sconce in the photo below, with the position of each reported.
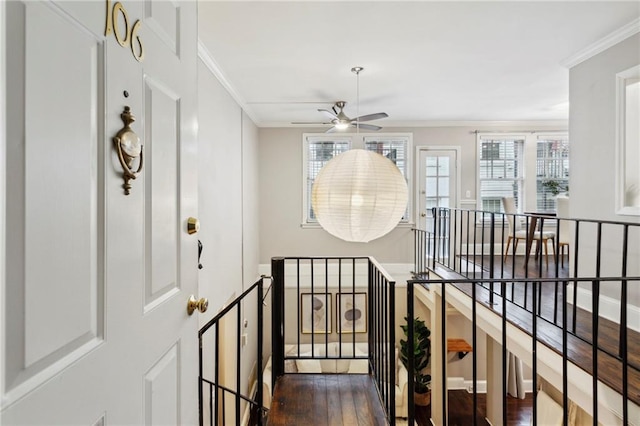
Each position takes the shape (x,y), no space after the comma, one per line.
(129,148)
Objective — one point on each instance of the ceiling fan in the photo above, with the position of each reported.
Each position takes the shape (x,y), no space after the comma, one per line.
(341,121)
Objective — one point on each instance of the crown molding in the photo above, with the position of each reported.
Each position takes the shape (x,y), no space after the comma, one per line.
(556,124)
(212,65)
(603,44)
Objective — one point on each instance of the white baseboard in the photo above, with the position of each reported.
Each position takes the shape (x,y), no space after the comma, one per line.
(459,383)
(609,307)
(400,272)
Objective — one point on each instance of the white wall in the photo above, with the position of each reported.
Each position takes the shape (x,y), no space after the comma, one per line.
(228,214)
(219,190)
(593,156)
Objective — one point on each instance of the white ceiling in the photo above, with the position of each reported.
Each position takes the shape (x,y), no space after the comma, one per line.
(423,61)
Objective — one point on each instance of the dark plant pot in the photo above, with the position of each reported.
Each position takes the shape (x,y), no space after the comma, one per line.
(422,399)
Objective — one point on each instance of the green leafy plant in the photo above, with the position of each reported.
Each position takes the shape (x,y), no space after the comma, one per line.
(421,353)
(555,186)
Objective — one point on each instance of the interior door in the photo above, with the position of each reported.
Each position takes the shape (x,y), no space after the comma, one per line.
(95,282)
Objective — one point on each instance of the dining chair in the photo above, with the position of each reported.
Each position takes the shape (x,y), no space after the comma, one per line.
(516,233)
(566,227)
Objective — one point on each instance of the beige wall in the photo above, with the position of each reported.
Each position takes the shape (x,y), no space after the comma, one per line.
(281,183)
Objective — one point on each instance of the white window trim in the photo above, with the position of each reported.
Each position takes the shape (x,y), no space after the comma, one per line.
(621,143)
(356,141)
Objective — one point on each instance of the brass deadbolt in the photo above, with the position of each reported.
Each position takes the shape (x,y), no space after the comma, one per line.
(193,225)
(201,304)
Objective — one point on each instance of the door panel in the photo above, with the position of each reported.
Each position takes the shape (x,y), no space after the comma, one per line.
(161,394)
(162,119)
(96,282)
(44,188)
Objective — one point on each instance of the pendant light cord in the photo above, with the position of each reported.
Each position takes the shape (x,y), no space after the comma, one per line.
(357,70)
(358,103)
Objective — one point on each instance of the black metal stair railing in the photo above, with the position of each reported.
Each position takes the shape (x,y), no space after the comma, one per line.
(332,279)
(540,333)
(214,397)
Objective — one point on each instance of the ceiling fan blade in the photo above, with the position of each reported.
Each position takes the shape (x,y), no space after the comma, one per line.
(331,130)
(327,112)
(370,117)
(366,126)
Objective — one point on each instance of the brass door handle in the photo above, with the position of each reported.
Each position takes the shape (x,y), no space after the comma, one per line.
(423,214)
(201,304)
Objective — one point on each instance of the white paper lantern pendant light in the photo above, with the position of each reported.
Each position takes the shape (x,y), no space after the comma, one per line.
(359,195)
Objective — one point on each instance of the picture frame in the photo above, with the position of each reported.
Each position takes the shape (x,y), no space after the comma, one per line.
(315,313)
(351,311)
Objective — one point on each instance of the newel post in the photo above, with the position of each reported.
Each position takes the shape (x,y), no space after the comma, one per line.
(277,319)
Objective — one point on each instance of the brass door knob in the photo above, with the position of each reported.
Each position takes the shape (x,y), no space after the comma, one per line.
(201,304)
(193,225)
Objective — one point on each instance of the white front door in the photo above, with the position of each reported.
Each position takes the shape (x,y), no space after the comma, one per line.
(94,282)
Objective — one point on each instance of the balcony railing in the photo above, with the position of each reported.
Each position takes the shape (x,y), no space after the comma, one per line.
(558,306)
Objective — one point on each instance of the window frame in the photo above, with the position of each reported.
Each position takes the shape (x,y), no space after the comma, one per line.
(546,137)
(520,179)
(356,141)
(529,169)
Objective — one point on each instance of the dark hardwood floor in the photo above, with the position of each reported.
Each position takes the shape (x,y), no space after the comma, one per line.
(461,410)
(520,298)
(326,400)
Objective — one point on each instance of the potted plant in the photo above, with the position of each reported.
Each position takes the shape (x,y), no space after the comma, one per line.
(422,356)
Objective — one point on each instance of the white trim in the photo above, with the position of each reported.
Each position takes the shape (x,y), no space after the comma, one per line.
(620,182)
(212,65)
(441,123)
(603,44)
(609,307)
(459,383)
(400,272)
(3,180)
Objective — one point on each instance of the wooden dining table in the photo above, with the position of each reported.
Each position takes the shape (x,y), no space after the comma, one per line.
(533,218)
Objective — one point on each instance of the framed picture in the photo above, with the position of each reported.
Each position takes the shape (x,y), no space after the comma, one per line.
(315,313)
(352,312)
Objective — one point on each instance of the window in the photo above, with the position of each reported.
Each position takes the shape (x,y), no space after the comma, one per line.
(319,152)
(501,171)
(532,168)
(395,149)
(552,170)
(319,149)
